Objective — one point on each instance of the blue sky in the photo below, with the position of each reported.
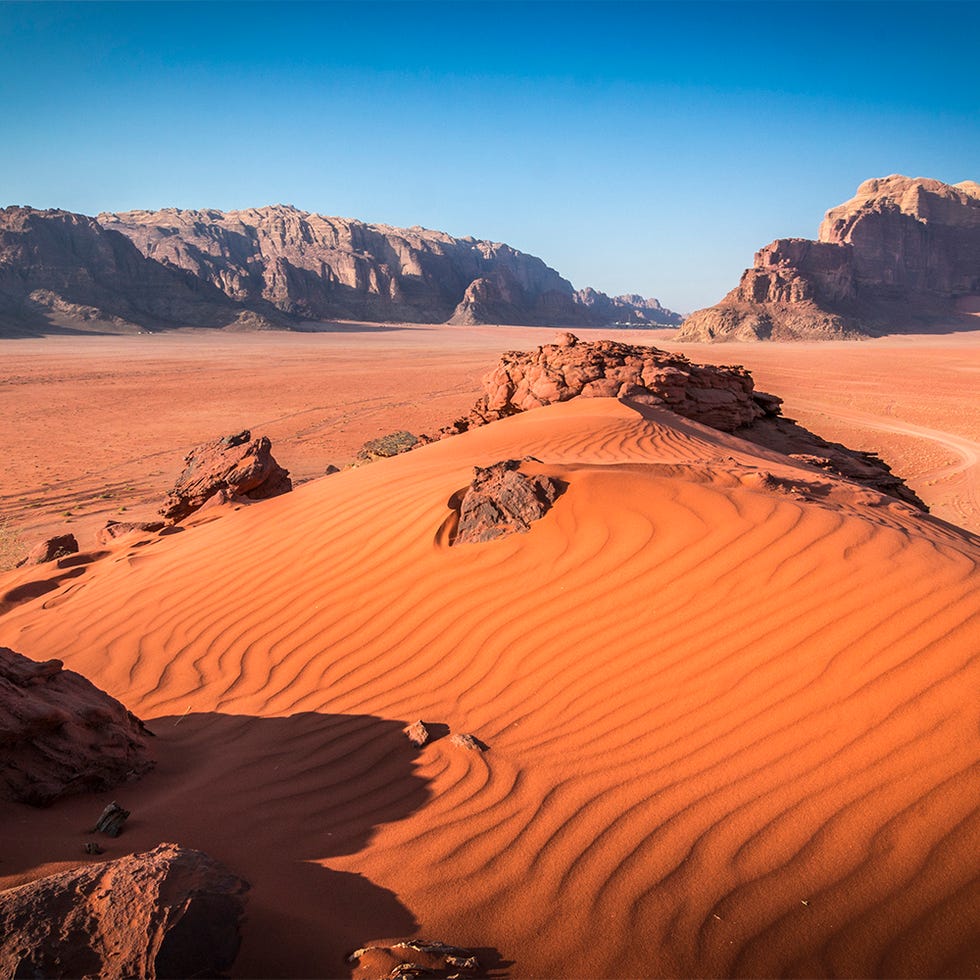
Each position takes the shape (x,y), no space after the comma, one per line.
(635,147)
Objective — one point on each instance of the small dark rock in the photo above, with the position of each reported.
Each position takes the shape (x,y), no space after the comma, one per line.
(91,847)
(112,820)
(390,445)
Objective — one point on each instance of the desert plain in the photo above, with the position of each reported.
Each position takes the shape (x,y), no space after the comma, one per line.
(728,730)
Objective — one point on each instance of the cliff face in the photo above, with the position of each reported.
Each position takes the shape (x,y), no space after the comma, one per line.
(897,257)
(56,266)
(315,267)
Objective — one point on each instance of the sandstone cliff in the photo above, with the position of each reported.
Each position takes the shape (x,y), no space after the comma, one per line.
(316,267)
(902,255)
(59,268)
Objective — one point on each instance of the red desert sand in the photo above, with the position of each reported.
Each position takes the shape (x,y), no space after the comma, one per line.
(727,705)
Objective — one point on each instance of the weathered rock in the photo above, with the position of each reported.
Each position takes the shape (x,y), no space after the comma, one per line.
(463,740)
(118,529)
(502,500)
(111,820)
(60,546)
(237,465)
(722,397)
(900,256)
(385,446)
(415,958)
(168,912)
(59,734)
(417,733)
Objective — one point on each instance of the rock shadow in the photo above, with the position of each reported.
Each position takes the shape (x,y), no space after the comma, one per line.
(273,799)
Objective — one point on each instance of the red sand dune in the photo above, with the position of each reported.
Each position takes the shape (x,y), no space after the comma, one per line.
(730,709)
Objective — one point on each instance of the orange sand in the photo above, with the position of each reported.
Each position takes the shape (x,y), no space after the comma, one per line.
(731,718)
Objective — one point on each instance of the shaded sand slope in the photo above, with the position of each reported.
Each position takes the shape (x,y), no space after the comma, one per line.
(730,707)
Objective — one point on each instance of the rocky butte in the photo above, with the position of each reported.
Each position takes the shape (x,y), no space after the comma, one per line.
(902,256)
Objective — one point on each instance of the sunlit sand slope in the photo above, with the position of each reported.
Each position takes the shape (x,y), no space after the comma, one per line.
(730,704)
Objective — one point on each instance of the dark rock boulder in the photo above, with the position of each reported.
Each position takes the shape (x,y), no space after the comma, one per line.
(168,912)
(385,446)
(237,465)
(502,500)
(59,734)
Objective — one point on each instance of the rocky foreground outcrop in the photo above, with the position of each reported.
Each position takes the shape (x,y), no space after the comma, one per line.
(902,255)
(60,735)
(168,912)
(721,397)
(232,467)
(416,958)
(59,268)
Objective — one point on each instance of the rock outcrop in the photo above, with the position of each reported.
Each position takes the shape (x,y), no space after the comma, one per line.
(168,912)
(724,398)
(721,397)
(60,735)
(502,500)
(320,268)
(236,466)
(902,255)
(63,269)
(59,546)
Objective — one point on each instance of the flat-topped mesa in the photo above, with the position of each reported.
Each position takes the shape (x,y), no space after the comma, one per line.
(903,254)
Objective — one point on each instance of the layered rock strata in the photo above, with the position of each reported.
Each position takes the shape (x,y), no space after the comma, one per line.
(902,255)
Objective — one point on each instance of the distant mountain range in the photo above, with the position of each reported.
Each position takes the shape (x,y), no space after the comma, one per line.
(903,255)
(275,267)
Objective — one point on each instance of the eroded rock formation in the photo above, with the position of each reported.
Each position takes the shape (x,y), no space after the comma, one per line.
(168,912)
(237,466)
(903,254)
(60,735)
(502,500)
(57,547)
(416,958)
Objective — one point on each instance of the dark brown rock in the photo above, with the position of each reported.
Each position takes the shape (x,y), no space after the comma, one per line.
(502,500)
(59,546)
(59,734)
(236,465)
(902,255)
(416,958)
(168,912)
(111,820)
(390,445)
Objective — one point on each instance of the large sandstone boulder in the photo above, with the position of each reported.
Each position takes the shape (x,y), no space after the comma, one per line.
(59,734)
(237,466)
(168,912)
(60,546)
(502,500)
(902,255)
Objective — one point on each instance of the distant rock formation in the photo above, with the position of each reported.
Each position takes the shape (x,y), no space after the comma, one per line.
(721,397)
(59,268)
(903,254)
(279,258)
(235,465)
(502,500)
(168,912)
(61,735)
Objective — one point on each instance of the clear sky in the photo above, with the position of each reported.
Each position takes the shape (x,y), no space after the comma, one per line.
(635,147)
